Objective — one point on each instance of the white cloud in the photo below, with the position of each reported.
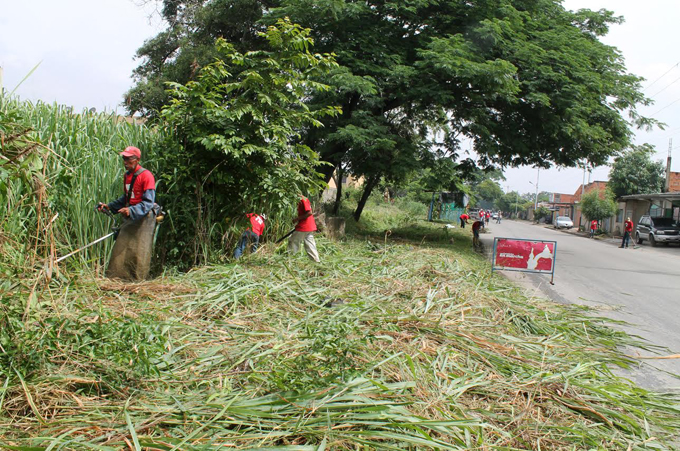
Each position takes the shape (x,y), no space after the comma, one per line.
(86,48)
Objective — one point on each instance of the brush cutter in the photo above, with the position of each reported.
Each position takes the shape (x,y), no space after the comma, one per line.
(285,236)
(87,245)
(114,234)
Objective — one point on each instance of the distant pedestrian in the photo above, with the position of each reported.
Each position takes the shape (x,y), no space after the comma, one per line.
(482,216)
(305,226)
(628,229)
(488,217)
(499,217)
(463,219)
(251,235)
(593,227)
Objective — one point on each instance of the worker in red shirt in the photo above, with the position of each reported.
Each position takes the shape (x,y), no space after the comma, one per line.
(475,232)
(305,226)
(463,219)
(131,255)
(593,227)
(628,229)
(251,235)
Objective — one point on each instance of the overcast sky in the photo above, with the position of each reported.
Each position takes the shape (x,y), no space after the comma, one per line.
(86,53)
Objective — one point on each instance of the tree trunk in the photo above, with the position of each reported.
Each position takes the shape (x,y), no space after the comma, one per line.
(370,184)
(338,191)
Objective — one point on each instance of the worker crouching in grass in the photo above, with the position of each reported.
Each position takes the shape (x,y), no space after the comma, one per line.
(131,255)
(305,226)
(251,235)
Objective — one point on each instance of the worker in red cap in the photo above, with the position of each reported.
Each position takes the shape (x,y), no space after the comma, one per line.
(131,255)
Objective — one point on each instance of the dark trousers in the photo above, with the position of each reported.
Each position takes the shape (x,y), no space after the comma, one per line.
(626,239)
(248,236)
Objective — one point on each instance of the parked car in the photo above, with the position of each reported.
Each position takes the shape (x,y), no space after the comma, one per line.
(563,222)
(494,216)
(657,230)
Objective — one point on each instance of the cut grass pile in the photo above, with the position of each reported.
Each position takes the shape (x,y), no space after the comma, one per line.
(390,343)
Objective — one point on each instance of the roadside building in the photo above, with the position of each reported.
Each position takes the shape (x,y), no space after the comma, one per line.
(582,190)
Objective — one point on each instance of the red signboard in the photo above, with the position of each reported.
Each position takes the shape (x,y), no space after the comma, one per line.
(524,255)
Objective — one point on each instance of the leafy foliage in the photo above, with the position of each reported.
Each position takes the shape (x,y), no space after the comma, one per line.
(237,124)
(489,191)
(527,82)
(541,213)
(634,172)
(597,205)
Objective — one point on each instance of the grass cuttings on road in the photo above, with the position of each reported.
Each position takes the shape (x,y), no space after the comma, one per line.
(406,345)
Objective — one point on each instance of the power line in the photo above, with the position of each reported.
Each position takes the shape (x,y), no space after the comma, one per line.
(672,103)
(666,87)
(665,73)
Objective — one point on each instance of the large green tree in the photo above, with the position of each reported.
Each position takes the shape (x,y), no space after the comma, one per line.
(634,172)
(526,81)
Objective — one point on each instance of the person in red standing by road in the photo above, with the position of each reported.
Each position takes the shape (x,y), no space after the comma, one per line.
(252,234)
(487,217)
(628,229)
(593,227)
(305,226)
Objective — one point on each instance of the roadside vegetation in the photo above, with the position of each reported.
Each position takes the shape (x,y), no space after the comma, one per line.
(400,339)
(396,341)
(56,164)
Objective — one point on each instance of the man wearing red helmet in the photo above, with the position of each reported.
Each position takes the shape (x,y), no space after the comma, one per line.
(131,255)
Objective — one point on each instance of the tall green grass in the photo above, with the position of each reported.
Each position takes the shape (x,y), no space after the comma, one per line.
(81,168)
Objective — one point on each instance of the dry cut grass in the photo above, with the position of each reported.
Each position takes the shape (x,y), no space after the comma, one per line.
(414,345)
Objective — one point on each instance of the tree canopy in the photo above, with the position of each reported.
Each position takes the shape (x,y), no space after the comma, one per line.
(634,172)
(598,206)
(237,123)
(527,82)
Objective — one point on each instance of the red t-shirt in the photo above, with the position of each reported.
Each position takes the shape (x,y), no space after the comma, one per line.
(256,222)
(488,215)
(306,225)
(464,217)
(593,225)
(476,225)
(629,226)
(143,182)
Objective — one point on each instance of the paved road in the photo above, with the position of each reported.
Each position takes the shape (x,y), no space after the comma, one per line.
(640,286)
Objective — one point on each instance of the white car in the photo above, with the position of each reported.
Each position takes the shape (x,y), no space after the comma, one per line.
(564,222)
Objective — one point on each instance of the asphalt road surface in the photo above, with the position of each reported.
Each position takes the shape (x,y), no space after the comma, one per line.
(640,286)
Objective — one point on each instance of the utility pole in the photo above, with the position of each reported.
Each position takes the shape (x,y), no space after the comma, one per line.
(583,187)
(667,185)
(538,172)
